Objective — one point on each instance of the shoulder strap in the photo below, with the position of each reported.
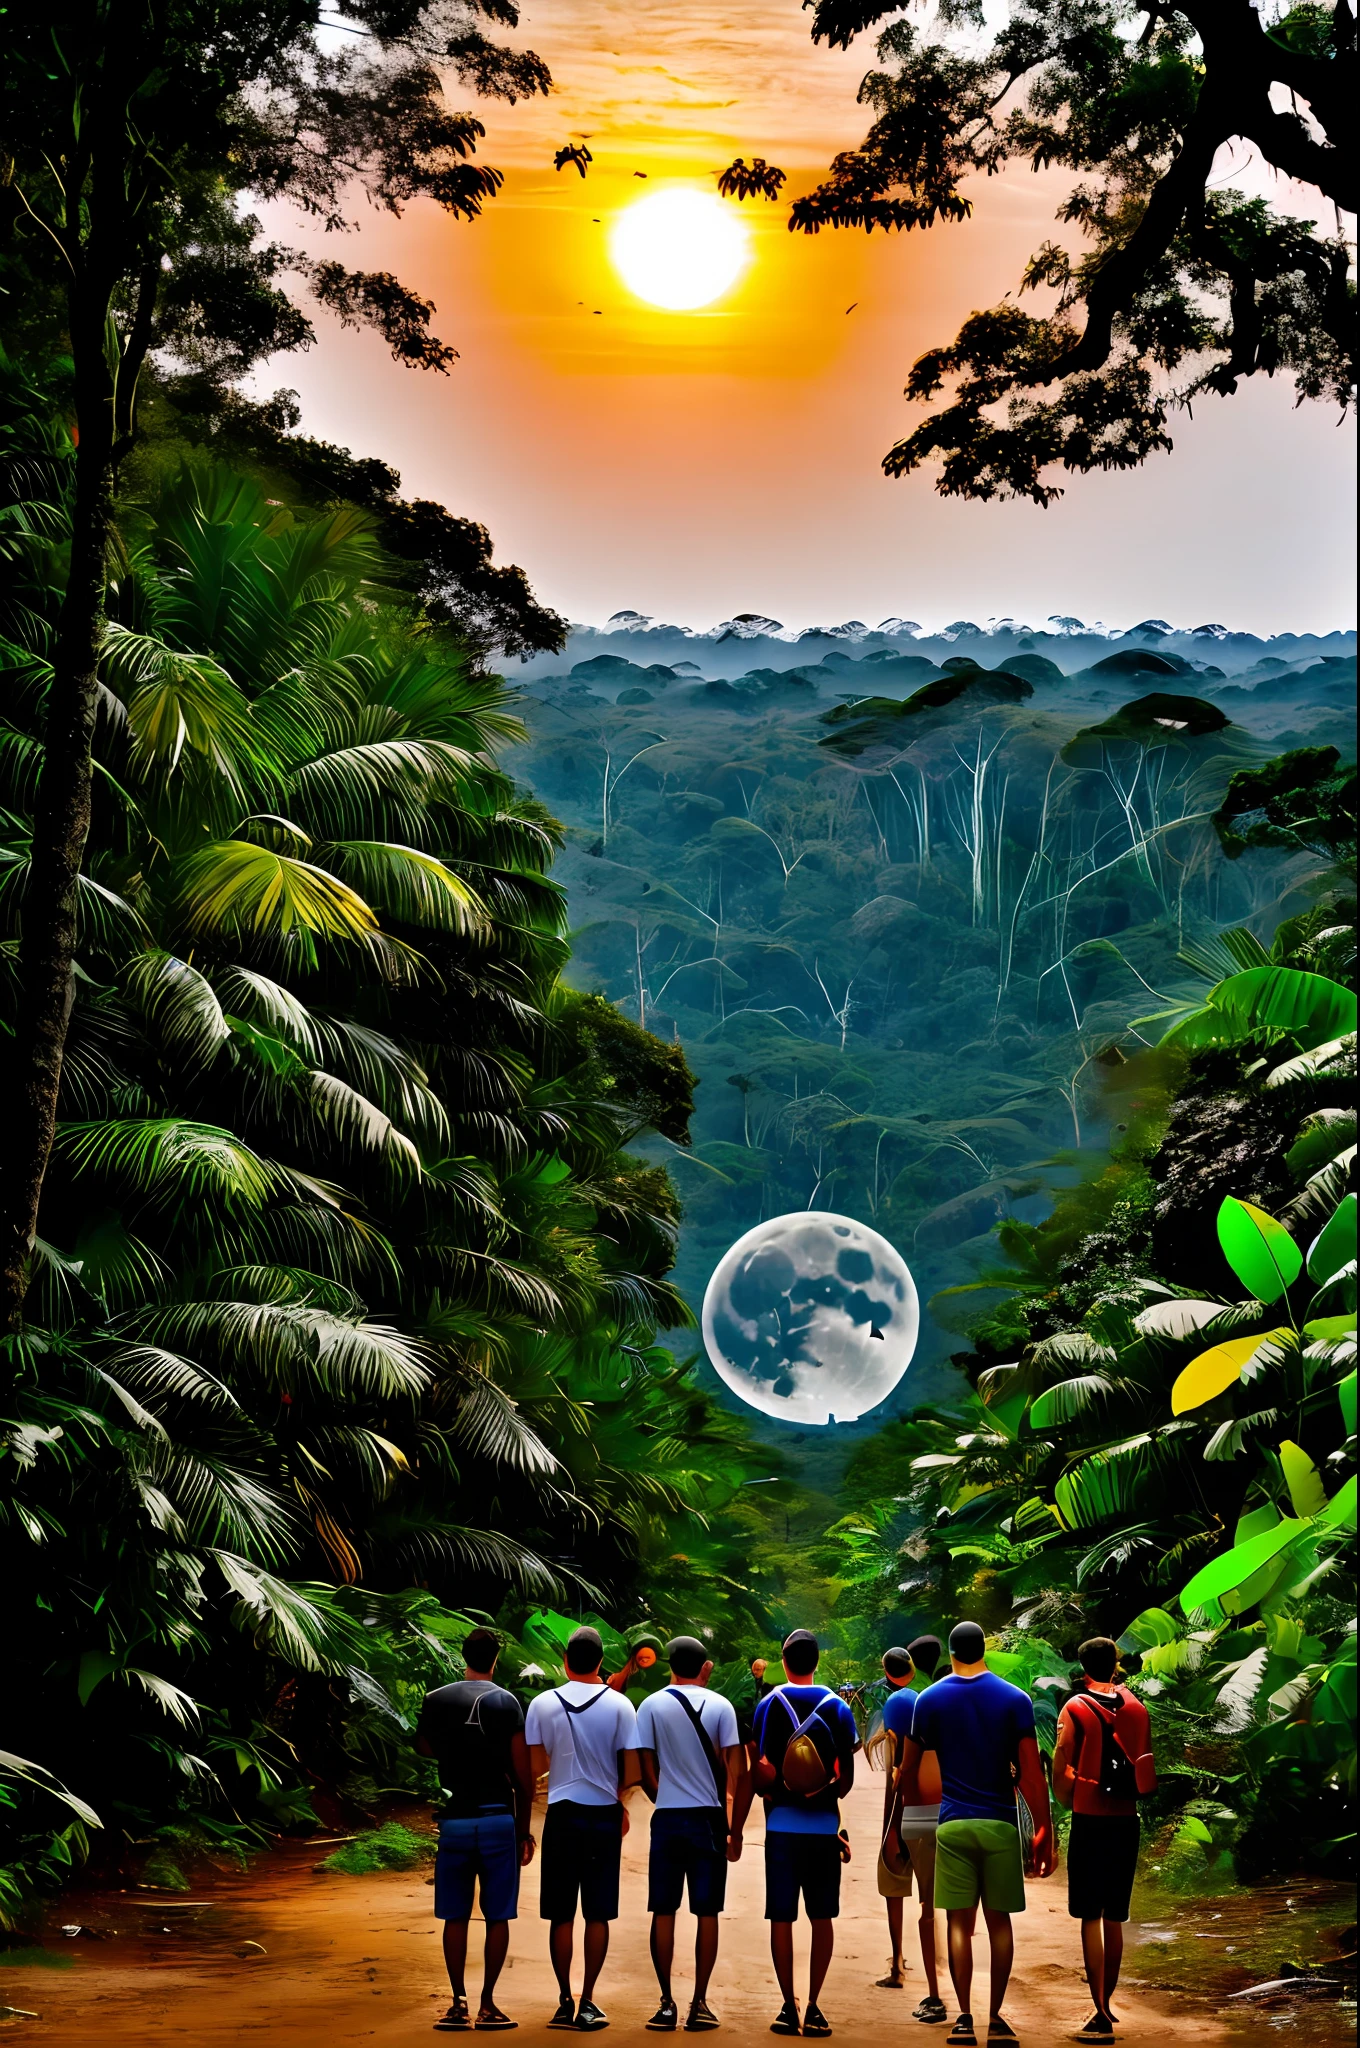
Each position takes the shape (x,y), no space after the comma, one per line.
(582,1706)
(706,1742)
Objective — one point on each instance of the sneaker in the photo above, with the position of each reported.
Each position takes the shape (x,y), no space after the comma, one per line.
(815,2022)
(702,2019)
(589,2018)
(963,2031)
(788,2021)
(565,2016)
(665,2019)
(931,2012)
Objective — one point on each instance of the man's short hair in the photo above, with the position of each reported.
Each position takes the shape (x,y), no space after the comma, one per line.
(925,1654)
(686,1656)
(801,1652)
(585,1651)
(1099,1658)
(967,1642)
(897,1663)
(481,1649)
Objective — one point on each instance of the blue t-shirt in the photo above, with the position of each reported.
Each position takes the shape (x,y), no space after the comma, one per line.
(974,1726)
(790,1813)
(898,1709)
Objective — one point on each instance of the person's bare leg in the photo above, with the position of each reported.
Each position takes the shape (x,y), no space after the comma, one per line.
(705,1954)
(455,1955)
(493,1962)
(930,1961)
(663,1949)
(896,1974)
(961,1924)
(781,1955)
(823,1943)
(595,1948)
(1001,1935)
(1093,1956)
(1114,1956)
(559,1948)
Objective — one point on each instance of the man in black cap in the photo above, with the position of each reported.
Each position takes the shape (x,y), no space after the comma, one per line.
(583,1735)
(694,1768)
(803,1750)
(982,1731)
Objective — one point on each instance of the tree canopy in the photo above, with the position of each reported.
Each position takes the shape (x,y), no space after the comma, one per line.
(1186,285)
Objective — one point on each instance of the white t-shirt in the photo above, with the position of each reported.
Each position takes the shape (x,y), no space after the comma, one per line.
(683,1777)
(583,1748)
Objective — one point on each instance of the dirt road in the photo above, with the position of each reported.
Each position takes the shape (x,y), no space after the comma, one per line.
(357,1959)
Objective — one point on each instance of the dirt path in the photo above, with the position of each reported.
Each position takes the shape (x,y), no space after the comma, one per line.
(357,1959)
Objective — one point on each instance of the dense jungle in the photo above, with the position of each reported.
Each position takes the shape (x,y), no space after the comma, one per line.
(448,988)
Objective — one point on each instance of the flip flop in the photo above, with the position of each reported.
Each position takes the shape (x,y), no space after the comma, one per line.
(456,2020)
(963,2030)
(788,2021)
(1000,2030)
(931,2012)
(816,2023)
(665,2019)
(493,2022)
(565,2016)
(701,2018)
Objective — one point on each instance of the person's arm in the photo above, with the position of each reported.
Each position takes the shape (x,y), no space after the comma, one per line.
(909,1774)
(1034,1789)
(651,1773)
(740,1792)
(1064,1761)
(522,1767)
(889,1775)
(538,1760)
(850,1743)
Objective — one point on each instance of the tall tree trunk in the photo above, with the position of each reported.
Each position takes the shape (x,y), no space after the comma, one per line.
(61,820)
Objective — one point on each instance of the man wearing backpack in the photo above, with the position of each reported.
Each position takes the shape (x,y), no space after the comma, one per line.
(694,1768)
(583,1735)
(474,1730)
(982,1732)
(803,1753)
(1102,1765)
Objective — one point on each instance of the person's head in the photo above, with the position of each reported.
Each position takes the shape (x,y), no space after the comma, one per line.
(1100,1659)
(689,1659)
(897,1667)
(480,1651)
(758,1668)
(925,1654)
(967,1647)
(585,1652)
(800,1653)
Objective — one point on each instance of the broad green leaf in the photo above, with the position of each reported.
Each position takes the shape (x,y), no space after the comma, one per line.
(1260,1251)
(1345,1394)
(1222,1574)
(1334,1245)
(1214,1371)
(1340,1510)
(1311,1007)
(1306,1489)
(95,1666)
(1328,1329)
(1323,1136)
(1153,1625)
(1068,1399)
(1266,1517)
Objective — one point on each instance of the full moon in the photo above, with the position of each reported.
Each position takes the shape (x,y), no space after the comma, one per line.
(679,249)
(811,1317)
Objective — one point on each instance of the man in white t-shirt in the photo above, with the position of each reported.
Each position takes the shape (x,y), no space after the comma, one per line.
(694,1767)
(583,1735)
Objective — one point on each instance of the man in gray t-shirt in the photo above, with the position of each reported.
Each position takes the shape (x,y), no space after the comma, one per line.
(694,1768)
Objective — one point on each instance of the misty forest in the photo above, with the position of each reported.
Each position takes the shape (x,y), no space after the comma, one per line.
(410,996)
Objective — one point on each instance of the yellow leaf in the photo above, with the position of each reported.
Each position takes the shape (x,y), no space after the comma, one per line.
(1215,1370)
(1306,1490)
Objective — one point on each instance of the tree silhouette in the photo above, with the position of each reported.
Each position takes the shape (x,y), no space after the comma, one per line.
(756,180)
(573,153)
(1182,274)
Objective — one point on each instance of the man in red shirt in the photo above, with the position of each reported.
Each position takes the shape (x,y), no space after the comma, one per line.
(1102,1764)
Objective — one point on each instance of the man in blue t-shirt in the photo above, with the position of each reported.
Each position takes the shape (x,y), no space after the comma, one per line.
(802,1827)
(982,1731)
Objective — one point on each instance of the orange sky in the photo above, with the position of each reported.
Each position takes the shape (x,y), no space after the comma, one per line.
(690,465)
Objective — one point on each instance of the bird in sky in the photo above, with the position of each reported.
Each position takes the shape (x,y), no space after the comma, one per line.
(851,307)
(573,153)
(639,174)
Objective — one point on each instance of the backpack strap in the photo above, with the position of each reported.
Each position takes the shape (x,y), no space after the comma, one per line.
(582,1706)
(707,1744)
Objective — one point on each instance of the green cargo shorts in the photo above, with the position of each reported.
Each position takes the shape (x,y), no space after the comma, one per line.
(979,1862)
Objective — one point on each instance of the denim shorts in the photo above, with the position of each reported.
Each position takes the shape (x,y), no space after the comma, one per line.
(688,1844)
(484,1849)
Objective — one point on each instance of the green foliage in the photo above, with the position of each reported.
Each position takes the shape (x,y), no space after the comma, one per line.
(390,1847)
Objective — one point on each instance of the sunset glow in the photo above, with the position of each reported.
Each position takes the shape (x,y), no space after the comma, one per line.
(679,249)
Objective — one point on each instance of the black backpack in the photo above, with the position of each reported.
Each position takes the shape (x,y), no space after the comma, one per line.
(1116,1778)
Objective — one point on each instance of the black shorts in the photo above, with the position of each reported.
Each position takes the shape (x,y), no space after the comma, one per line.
(806,1864)
(688,1843)
(581,1850)
(1102,1862)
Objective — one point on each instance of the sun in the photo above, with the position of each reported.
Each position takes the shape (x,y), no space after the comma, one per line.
(679,249)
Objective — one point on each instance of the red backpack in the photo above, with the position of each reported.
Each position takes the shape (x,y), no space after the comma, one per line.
(1116,1744)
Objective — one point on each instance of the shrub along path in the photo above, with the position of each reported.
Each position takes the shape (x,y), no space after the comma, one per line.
(357,1959)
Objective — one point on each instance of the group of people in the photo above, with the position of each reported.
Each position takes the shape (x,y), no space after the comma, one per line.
(965,1818)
